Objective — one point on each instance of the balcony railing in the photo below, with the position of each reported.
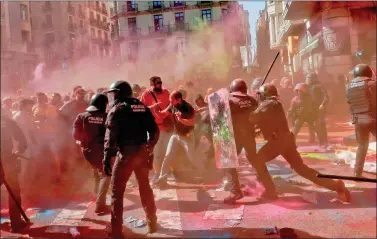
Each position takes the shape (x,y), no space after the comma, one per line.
(178,4)
(46,25)
(204,3)
(179,27)
(30,47)
(159,29)
(98,7)
(82,30)
(94,22)
(96,40)
(287,5)
(133,32)
(46,8)
(72,27)
(104,11)
(71,10)
(156,5)
(130,8)
(81,14)
(105,25)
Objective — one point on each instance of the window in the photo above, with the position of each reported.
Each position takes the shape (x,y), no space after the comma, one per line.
(178,3)
(98,17)
(99,34)
(92,32)
(50,37)
(179,17)
(25,36)
(157,4)
(133,51)
(132,24)
(91,15)
(70,20)
(48,20)
(207,15)
(158,22)
(81,23)
(224,12)
(24,15)
(72,37)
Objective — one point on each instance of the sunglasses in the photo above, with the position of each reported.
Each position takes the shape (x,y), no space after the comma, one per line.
(159,82)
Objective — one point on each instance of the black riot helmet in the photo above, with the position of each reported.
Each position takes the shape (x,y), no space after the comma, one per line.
(362,70)
(268,90)
(238,85)
(123,89)
(98,102)
(257,82)
(311,78)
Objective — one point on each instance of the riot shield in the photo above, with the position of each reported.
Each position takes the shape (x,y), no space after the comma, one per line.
(222,129)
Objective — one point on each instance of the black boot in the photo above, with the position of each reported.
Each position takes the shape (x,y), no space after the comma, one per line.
(233,197)
(152,224)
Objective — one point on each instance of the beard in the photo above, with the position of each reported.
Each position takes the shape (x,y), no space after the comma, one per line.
(157,89)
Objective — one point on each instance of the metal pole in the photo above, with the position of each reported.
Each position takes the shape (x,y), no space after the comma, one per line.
(15,201)
(265,77)
(359,179)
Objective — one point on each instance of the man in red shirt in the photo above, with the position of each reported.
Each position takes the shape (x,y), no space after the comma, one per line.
(158,99)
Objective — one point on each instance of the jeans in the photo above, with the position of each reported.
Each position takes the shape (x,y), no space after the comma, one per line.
(188,144)
(160,150)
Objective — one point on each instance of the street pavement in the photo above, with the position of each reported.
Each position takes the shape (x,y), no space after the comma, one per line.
(197,210)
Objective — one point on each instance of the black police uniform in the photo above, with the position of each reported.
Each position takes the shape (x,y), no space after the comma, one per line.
(89,129)
(270,118)
(241,105)
(319,97)
(12,166)
(128,123)
(361,97)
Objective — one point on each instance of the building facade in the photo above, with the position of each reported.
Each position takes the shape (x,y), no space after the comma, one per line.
(67,31)
(325,37)
(159,27)
(18,58)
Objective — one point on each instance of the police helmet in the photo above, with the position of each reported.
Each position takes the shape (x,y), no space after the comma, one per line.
(256,83)
(238,85)
(123,88)
(302,87)
(136,88)
(98,102)
(362,70)
(268,90)
(311,78)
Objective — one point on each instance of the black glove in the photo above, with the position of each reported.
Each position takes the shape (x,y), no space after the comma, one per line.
(107,167)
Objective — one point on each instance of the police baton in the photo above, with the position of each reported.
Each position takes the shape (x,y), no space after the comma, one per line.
(15,200)
(268,72)
(358,179)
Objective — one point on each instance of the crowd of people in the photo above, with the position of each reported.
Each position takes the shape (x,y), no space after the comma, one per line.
(116,128)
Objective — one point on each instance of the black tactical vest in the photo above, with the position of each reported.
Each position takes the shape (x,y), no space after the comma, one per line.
(358,96)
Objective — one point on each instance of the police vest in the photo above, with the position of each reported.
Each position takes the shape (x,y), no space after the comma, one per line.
(358,96)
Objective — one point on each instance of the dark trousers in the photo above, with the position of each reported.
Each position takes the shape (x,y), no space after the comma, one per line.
(12,177)
(136,162)
(286,147)
(260,166)
(362,131)
(101,180)
(298,125)
(320,128)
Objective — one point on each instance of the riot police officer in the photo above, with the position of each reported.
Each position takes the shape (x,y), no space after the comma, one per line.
(270,118)
(361,97)
(255,86)
(12,167)
(127,125)
(89,129)
(241,105)
(301,111)
(320,98)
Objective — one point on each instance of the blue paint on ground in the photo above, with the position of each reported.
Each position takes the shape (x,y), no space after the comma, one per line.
(45,212)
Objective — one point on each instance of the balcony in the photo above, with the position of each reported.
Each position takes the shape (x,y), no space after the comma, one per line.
(289,27)
(131,32)
(96,40)
(72,27)
(47,26)
(104,11)
(154,6)
(81,14)
(205,3)
(46,8)
(105,25)
(71,10)
(179,27)
(93,22)
(130,8)
(30,47)
(98,7)
(297,10)
(159,29)
(177,5)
